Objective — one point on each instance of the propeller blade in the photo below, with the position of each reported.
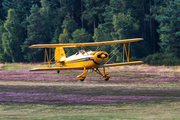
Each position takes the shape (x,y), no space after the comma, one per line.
(102,60)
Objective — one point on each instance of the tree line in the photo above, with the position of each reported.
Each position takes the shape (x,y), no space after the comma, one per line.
(27,22)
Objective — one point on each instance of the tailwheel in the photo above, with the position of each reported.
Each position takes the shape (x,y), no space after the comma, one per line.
(106,77)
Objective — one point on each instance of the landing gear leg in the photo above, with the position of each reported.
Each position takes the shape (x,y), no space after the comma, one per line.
(83,75)
(106,76)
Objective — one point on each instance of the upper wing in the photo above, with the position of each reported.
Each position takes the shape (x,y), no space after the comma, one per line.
(84,44)
(125,63)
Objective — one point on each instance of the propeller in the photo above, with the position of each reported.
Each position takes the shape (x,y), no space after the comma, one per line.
(102,57)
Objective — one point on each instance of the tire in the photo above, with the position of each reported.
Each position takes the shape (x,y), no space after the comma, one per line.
(106,79)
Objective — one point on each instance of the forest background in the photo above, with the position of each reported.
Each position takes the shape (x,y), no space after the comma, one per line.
(27,22)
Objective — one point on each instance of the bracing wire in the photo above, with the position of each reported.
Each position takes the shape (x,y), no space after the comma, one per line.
(114,54)
(114,49)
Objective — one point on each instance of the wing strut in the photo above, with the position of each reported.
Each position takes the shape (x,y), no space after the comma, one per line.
(47,57)
(125,51)
(82,48)
(100,47)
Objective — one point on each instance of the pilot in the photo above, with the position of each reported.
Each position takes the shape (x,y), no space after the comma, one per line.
(77,53)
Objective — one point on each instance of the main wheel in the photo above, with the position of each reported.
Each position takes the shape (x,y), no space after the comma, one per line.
(107,76)
(106,79)
(81,80)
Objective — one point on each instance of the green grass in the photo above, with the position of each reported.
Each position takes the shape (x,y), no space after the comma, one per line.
(175,67)
(16,66)
(10,67)
(91,112)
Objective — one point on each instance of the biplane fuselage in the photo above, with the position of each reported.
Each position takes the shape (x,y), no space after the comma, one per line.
(85,60)
(90,59)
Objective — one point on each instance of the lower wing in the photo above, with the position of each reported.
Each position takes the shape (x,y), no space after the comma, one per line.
(82,68)
(58,68)
(125,63)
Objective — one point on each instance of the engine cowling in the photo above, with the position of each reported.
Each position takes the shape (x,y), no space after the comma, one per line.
(101,57)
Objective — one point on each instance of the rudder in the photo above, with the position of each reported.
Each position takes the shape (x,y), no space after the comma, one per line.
(60,56)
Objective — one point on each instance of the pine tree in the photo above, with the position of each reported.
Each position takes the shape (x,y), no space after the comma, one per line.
(81,36)
(65,37)
(125,27)
(99,35)
(46,14)
(35,36)
(170,29)
(69,24)
(93,12)
(55,39)
(1,32)
(21,7)
(11,38)
(3,56)
(114,7)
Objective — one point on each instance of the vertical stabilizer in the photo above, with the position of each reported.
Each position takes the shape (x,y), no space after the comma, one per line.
(60,56)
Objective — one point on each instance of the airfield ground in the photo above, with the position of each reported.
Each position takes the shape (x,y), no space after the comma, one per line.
(133,92)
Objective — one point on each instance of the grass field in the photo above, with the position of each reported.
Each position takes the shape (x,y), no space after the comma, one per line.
(133,92)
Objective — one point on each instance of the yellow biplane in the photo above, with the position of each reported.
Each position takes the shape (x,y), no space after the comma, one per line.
(84,60)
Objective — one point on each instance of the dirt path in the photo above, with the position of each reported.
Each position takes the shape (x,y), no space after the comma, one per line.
(86,84)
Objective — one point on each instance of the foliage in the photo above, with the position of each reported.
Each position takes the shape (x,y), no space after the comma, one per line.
(55,39)
(159,59)
(60,21)
(11,39)
(80,36)
(99,35)
(125,26)
(94,10)
(170,29)
(35,36)
(69,24)
(64,37)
